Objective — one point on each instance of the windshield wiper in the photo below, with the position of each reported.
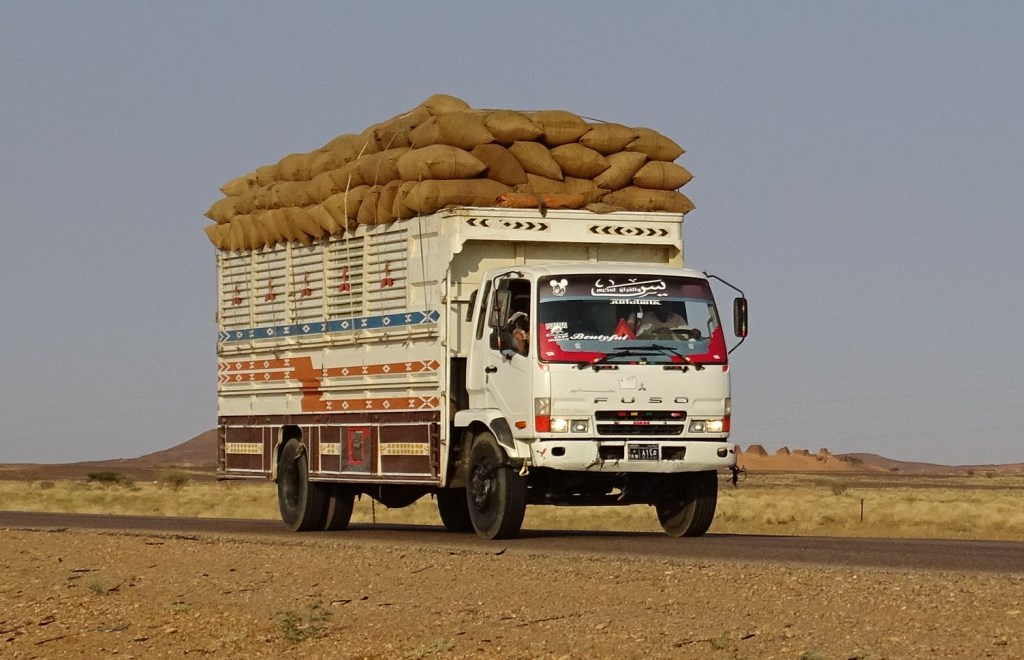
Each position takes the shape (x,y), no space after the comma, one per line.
(622,351)
(685,358)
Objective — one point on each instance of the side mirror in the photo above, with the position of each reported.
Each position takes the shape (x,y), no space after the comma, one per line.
(739,317)
(499,308)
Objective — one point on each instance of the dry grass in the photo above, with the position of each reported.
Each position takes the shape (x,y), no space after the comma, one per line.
(968,507)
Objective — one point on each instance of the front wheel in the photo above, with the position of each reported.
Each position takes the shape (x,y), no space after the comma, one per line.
(688,506)
(303,504)
(495,493)
(453,507)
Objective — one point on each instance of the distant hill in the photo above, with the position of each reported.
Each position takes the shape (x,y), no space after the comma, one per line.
(197,456)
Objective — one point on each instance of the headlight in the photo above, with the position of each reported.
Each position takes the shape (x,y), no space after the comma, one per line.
(717,425)
(562,425)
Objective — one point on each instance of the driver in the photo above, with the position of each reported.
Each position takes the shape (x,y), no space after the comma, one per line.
(520,328)
(661,317)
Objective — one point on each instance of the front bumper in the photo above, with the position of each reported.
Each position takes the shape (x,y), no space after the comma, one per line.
(637,455)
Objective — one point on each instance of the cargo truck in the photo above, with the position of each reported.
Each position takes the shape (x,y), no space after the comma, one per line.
(491,358)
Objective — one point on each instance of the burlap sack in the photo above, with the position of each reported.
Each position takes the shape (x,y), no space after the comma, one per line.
(344,206)
(269,228)
(320,161)
(576,160)
(425,134)
(235,239)
(293,167)
(442,103)
(264,175)
(303,222)
(541,184)
(559,126)
(289,193)
(386,203)
(344,148)
(644,199)
(602,207)
(535,158)
(655,145)
(217,234)
(586,187)
(518,200)
(368,209)
(396,132)
(380,168)
(608,138)
(323,218)
(400,210)
(321,187)
(508,126)
(621,168)
(237,186)
(252,234)
(662,175)
(438,161)
(464,129)
(347,176)
(430,196)
(222,210)
(501,165)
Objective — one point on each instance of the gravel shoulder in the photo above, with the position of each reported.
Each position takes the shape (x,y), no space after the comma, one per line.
(87,594)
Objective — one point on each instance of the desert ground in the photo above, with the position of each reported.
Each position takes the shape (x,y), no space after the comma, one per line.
(76,593)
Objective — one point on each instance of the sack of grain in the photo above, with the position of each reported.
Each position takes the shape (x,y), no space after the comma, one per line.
(347,176)
(289,193)
(541,184)
(655,145)
(429,196)
(644,199)
(501,165)
(535,158)
(380,168)
(344,206)
(559,126)
(293,167)
(222,210)
(464,129)
(399,209)
(386,203)
(236,186)
(508,126)
(218,235)
(608,138)
(576,160)
(441,103)
(621,168)
(662,175)
(438,161)
(519,200)
(586,187)
(322,217)
(269,228)
(320,161)
(301,220)
(344,148)
(264,175)
(367,214)
(603,207)
(321,187)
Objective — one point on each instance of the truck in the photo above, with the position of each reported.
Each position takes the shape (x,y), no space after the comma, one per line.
(491,358)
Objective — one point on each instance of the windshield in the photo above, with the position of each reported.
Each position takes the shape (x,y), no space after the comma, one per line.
(628,319)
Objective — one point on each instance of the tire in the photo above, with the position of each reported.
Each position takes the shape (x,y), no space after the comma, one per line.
(495,494)
(339,509)
(303,504)
(453,508)
(688,508)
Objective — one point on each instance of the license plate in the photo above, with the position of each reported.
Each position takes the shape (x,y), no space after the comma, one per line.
(643,452)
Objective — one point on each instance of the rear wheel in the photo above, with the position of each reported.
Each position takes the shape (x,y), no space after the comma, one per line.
(303,504)
(339,509)
(688,507)
(453,507)
(495,494)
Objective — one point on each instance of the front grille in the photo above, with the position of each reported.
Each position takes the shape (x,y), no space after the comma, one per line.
(640,422)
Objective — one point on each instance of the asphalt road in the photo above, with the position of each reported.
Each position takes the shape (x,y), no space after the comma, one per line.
(928,554)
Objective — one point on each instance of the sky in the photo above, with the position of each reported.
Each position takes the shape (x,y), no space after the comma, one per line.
(858,172)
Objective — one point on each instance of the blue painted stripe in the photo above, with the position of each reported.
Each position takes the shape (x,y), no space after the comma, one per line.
(332,326)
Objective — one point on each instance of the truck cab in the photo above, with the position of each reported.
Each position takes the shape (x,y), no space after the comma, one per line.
(602,384)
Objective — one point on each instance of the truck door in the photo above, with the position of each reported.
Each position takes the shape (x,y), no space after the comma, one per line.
(509,360)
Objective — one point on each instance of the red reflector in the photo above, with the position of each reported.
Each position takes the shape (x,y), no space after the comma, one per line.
(542,424)
(726,423)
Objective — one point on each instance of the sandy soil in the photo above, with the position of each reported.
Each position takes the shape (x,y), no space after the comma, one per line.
(88,594)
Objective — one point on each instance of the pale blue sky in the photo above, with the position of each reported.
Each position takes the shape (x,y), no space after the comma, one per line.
(859,172)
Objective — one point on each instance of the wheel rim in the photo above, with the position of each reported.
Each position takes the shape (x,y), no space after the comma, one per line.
(482,485)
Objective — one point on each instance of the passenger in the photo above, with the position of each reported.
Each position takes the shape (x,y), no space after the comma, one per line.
(660,321)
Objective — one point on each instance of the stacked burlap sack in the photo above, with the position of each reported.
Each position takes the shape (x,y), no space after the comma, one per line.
(444,153)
